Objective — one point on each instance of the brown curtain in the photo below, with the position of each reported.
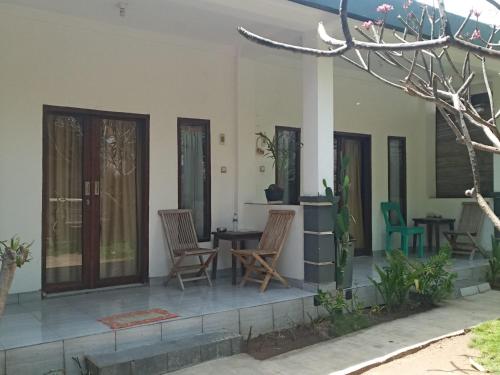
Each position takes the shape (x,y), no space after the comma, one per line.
(119,204)
(352,149)
(64,199)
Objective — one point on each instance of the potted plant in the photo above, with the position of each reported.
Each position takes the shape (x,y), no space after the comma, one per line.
(269,148)
(13,254)
(342,221)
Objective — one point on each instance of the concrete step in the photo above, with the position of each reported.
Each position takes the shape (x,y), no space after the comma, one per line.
(167,356)
(468,287)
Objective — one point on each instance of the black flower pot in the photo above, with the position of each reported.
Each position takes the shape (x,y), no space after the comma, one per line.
(274,193)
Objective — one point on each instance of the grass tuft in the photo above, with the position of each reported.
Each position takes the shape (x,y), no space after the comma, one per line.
(486,338)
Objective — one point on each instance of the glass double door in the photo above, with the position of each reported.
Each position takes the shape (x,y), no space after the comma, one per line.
(94,221)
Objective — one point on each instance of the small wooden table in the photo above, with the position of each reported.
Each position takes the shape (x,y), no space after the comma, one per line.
(237,239)
(433,226)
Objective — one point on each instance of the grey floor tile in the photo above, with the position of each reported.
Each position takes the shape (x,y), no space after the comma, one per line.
(222,321)
(142,335)
(2,362)
(288,313)
(79,347)
(257,318)
(181,327)
(35,360)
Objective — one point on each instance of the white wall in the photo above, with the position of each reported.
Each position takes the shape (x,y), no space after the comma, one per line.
(63,61)
(66,61)
(364,105)
(269,95)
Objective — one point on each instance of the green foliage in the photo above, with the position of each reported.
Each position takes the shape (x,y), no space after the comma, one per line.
(494,261)
(333,304)
(431,280)
(279,155)
(345,316)
(395,282)
(15,250)
(336,304)
(486,338)
(342,217)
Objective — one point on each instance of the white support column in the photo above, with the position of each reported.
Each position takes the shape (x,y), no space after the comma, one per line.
(317,124)
(317,156)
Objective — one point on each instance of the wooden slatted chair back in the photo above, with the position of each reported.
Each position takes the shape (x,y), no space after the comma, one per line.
(179,230)
(276,230)
(471,218)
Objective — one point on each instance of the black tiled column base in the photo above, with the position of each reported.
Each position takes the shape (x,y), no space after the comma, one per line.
(319,273)
(319,248)
(319,242)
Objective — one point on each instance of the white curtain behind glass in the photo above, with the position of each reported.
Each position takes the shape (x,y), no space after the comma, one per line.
(193,174)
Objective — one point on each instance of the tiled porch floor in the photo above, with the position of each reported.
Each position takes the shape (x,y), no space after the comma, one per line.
(64,317)
(364,266)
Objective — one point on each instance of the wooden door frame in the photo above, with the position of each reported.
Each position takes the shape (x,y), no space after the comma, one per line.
(89,280)
(366,187)
(402,178)
(207,194)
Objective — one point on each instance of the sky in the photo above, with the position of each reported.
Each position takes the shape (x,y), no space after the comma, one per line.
(489,14)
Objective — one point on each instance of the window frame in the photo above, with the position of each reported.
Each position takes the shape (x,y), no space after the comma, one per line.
(207,193)
(403,177)
(297,131)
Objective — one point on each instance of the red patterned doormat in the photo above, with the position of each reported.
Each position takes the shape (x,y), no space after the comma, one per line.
(136,318)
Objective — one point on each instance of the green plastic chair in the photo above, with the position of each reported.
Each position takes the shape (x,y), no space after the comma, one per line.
(405,231)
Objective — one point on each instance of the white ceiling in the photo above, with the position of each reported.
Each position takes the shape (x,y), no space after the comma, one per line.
(214,20)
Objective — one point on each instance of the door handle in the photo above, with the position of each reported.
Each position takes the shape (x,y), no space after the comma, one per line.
(96,188)
(87,188)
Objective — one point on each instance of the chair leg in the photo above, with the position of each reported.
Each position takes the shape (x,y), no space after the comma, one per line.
(179,277)
(404,244)
(250,267)
(388,241)
(173,271)
(266,281)
(421,245)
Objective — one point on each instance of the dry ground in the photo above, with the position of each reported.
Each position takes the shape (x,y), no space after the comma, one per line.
(446,356)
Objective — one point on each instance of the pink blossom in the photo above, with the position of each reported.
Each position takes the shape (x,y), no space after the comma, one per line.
(407,4)
(476,12)
(385,8)
(379,22)
(476,34)
(367,24)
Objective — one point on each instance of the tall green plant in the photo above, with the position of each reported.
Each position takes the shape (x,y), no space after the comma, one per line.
(341,217)
(395,281)
(494,262)
(431,279)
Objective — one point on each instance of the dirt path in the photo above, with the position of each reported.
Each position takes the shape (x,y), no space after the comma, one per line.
(449,355)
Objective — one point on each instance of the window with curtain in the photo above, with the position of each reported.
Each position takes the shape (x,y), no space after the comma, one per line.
(194,172)
(288,163)
(453,171)
(397,174)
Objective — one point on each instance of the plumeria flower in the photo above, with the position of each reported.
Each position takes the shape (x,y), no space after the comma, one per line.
(367,24)
(407,4)
(476,34)
(385,8)
(476,12)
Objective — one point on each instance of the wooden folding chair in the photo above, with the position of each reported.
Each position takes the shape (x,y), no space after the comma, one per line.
(262,261)
(182,244)
(464,240)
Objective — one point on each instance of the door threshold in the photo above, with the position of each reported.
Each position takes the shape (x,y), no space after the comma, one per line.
(88,291)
